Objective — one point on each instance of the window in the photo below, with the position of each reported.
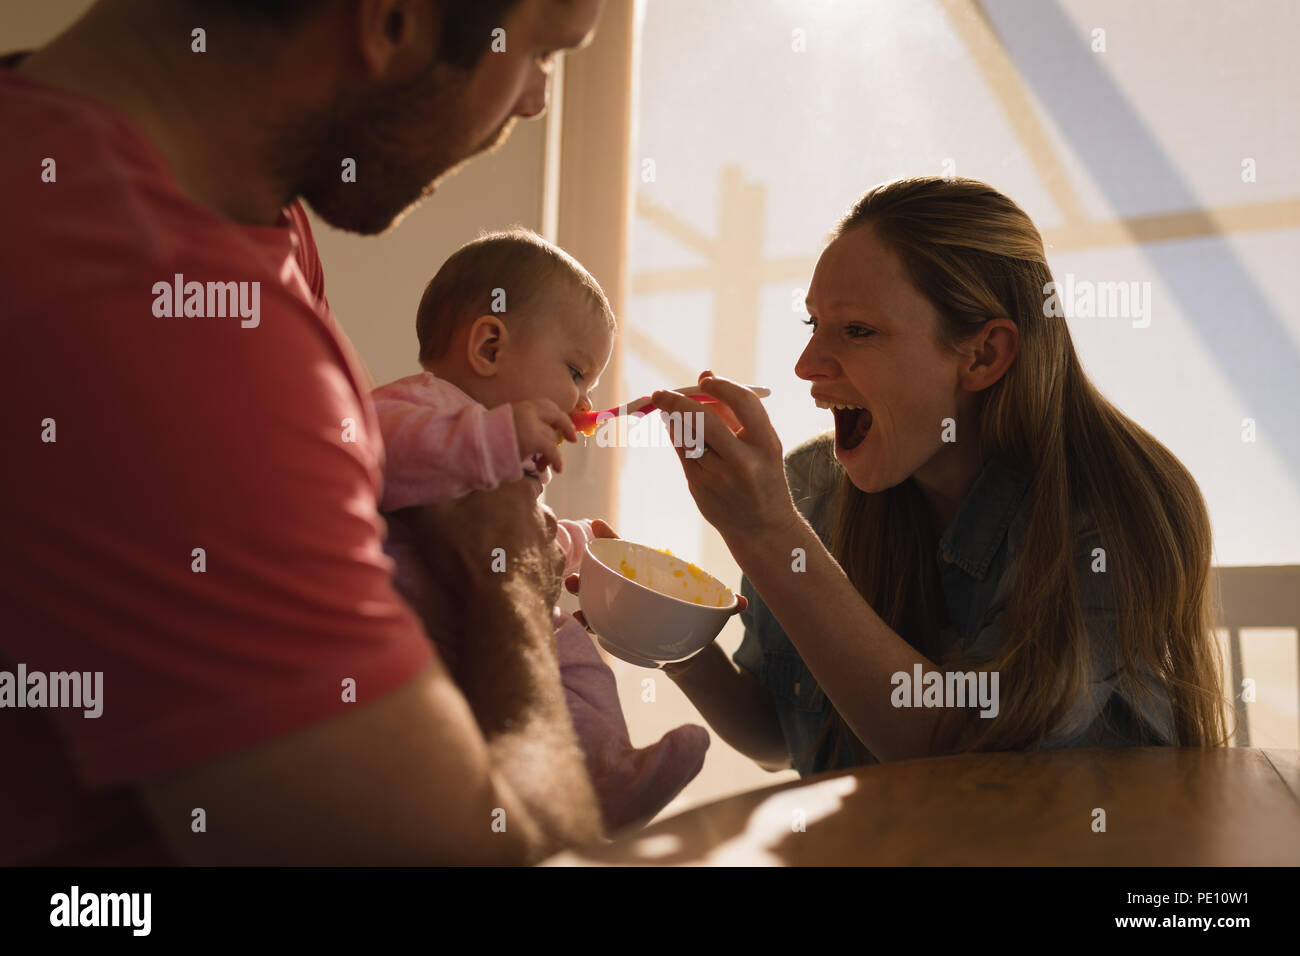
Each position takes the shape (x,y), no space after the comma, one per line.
(1152,143)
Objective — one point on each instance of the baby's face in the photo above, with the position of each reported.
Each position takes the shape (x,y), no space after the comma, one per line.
(557,353)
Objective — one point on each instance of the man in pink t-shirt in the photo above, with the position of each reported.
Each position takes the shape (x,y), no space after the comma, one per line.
(192,461)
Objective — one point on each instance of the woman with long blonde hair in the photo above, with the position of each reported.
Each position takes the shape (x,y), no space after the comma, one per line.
(982,512)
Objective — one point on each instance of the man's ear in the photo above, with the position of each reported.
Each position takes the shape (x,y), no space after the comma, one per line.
(394,37)
(989,354)
(484,344)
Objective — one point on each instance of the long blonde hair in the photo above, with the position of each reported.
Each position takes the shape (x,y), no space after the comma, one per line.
(975,255)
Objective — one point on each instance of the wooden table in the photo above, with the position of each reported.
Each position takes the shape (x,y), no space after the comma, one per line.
(1163,807)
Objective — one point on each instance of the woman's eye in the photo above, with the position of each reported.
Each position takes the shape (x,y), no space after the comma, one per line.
(810,321)
(860,331)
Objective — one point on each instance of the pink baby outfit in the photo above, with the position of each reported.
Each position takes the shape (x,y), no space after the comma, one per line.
(440,444)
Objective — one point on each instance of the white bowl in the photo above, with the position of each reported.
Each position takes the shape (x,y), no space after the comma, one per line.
(648,607)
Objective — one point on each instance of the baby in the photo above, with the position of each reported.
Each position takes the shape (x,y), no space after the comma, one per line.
(513,335)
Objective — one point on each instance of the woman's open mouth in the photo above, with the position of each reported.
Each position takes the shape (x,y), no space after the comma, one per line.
(851,424)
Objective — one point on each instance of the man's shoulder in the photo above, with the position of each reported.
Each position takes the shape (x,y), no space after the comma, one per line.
(78,171)
(83,181)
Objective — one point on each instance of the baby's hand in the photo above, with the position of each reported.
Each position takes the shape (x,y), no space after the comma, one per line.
(599,529)
(538,422)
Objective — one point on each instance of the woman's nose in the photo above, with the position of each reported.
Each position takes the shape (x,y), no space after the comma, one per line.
(814,363)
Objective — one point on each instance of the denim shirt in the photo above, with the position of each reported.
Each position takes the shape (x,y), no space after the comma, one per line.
(977,568)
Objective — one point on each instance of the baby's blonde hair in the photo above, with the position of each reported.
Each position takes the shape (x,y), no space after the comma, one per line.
(510,266)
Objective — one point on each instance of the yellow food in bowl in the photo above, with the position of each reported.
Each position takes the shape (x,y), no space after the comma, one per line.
(695,574)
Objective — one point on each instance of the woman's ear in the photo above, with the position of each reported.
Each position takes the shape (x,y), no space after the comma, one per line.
(990,354)
(483,347)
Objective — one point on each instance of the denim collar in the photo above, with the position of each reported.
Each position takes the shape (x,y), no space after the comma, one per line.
(977,532)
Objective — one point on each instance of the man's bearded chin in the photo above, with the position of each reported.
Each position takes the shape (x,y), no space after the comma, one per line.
(365,208)
(390,182)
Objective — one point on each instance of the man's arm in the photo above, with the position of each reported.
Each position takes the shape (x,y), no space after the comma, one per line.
(403,780)
(509,673)
(410,778)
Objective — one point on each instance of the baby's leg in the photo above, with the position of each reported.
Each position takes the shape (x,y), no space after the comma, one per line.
(631,784)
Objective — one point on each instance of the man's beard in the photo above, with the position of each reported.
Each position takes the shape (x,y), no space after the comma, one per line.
(405,141)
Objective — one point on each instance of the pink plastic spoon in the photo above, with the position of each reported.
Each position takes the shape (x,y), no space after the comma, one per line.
(586,421)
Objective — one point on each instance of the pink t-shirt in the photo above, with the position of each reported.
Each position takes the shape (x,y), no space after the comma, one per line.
(441,444)
(182,511)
